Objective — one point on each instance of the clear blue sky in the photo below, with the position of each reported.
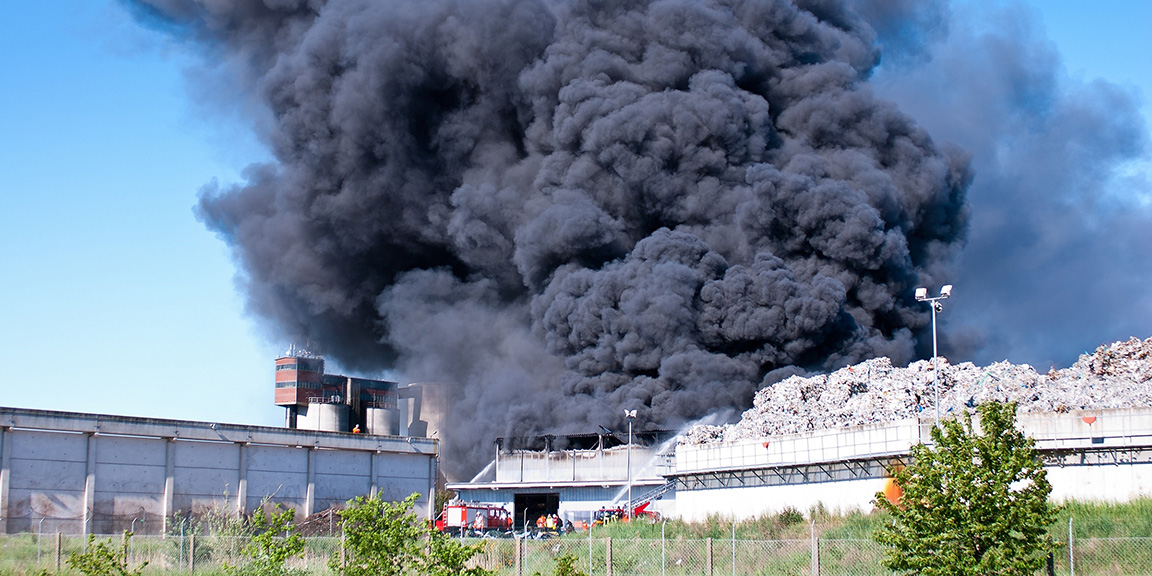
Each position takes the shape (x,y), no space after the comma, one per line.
(113,298)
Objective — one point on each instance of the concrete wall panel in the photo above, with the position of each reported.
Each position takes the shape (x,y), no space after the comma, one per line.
(128,450)
(333,487)
(277,459)
(217,455)
(40,445)
(129,479)
(212,482)
(48,475)
(281,485)
(400,490)
(402,466)
(343,463)
(1102,483)
(59,505)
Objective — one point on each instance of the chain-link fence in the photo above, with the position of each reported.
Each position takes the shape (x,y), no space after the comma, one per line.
(30,552)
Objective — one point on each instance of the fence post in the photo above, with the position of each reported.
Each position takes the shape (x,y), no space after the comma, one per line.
(815,551)
(519,556)
(192,552)
(708,559)
(59,549)
(608,555)
(1071,557)
(663,551)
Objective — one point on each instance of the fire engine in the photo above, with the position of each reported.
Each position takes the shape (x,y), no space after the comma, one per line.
(639,508)
(619,514)
(474,519)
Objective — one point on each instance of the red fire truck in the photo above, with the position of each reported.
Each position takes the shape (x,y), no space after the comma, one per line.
(472,519)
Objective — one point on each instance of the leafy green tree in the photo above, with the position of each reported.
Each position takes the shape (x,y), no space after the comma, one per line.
(267,549)
(101,559)
(386,538)
(972,503)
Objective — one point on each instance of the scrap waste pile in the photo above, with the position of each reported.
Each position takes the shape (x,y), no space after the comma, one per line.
(1118,375)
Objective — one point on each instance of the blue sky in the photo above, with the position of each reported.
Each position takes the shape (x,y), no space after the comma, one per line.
(114,298)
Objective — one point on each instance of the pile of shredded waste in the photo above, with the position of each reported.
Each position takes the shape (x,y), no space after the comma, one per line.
(1117,375)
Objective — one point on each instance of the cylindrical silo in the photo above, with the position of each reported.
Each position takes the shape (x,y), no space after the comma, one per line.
(333,417)
(383,421)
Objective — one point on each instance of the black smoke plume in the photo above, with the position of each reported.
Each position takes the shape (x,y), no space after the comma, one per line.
(1057,257)
(568,208)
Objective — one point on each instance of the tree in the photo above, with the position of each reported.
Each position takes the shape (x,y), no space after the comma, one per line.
(386,539)
(267,549)
(972,503)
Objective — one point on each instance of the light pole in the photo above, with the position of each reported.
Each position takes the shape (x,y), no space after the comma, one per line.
(629,414)
(922,296)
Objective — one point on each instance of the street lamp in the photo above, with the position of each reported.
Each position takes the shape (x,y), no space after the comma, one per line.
(922,296)
(629,414)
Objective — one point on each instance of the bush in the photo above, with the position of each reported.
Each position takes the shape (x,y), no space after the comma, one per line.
(267,550)
(101,559)
(386,539)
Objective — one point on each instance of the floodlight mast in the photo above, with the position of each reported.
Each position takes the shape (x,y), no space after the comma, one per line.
(629,414)
(922,296)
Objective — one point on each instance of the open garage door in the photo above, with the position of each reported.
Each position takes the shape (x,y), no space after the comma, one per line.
(530,506)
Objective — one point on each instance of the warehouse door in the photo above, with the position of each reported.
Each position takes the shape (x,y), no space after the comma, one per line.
(531,506)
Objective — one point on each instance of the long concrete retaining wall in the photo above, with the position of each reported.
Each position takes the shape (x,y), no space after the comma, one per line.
(1089,455)
(93,473)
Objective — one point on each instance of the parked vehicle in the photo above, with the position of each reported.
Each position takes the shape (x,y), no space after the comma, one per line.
(472,519)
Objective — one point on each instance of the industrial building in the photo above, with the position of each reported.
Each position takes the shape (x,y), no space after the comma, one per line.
(1089,455)
(575,476)
(100,474)
(333,402)
(315,400)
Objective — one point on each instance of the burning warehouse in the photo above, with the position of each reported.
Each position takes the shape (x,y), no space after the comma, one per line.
(579,478)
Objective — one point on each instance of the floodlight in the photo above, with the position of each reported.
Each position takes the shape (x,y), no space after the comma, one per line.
(629,413)
(921,293)
(946,291)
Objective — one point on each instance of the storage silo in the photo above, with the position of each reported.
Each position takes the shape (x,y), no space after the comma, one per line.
(383,421)
(323,417)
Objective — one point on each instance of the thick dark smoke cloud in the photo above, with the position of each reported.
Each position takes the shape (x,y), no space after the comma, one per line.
(1057,261)
(568,208)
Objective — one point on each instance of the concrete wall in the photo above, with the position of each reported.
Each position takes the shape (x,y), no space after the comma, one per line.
(750,502)
(1099,482)
(89,473)
(1089,455)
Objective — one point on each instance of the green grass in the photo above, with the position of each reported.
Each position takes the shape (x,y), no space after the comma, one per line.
(638,542)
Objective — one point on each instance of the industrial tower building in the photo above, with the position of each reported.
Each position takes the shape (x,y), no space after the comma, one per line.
(333,402)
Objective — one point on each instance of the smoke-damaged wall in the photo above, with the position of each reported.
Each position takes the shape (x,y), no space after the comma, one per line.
(571,207)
